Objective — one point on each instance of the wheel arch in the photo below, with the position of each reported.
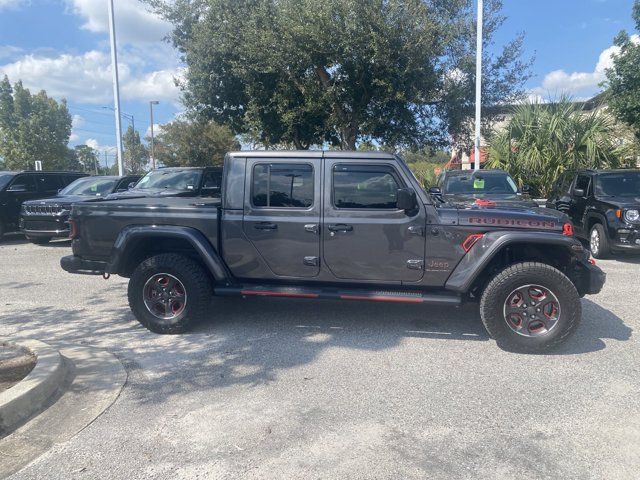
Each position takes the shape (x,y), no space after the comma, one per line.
(498,250)
(596,217)
(139,242)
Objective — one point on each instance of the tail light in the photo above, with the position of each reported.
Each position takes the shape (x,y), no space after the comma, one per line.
(567,229)
(470,241)
(73,229)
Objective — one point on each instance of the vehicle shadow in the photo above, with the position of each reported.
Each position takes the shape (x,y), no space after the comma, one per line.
(627,258)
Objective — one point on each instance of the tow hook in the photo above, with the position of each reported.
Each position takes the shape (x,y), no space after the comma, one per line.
(106,275)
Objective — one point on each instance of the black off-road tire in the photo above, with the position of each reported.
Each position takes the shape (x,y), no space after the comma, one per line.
(197,284)
(604,250)
(493,300)
(39,240)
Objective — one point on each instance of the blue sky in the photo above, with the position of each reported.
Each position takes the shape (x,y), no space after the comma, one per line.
(63,47)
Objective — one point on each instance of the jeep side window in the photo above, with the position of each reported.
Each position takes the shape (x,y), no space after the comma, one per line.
(364,187)
(23,183)
(282,185)
(48,183)
(582,183)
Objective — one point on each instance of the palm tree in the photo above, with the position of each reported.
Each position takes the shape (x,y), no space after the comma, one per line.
(544,140)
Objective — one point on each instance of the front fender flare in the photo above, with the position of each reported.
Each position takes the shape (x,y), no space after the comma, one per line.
(197,239)
(474,262)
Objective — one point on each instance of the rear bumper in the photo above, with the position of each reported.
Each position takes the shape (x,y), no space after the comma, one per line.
(593,279)
(74,264)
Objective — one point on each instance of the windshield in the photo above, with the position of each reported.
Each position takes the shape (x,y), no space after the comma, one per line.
(183,180)
(5,177)
(480,184)
(623,184)
(94,187)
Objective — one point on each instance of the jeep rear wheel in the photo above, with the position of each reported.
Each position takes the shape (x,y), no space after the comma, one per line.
(530,307)
(168,293)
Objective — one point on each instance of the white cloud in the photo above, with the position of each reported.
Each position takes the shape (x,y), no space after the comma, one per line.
(7,4)
(86,78)
(157,130)
(9,51)
(134,23)
(578,84)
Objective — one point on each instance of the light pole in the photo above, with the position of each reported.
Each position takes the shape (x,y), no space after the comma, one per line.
(153,158)
(116,88)
(478,85)
(128,116)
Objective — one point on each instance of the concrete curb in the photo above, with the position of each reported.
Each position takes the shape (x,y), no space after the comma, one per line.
(29,396)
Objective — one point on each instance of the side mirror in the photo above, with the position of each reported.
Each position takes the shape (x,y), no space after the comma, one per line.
(578,192)
(526,188)
(435,191)
(406,199)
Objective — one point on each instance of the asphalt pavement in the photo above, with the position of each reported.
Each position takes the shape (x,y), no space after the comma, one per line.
(305,389)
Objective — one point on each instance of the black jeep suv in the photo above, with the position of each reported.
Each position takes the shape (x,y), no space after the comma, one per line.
(604,206)
(17,187)
(42,220)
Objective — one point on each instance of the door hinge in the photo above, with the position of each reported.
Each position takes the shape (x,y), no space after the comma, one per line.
(310,261)
(415,264)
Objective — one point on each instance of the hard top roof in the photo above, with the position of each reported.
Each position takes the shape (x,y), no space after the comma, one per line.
(609,170)
(312,154)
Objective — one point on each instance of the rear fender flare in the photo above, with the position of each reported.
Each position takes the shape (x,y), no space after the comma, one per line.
(492,243)
(130,235)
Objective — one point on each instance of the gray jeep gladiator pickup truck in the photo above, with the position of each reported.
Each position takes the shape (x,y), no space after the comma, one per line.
(341,225)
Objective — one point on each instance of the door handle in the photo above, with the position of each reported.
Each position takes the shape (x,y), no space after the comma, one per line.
(340,227)
(311,228)
(265,226)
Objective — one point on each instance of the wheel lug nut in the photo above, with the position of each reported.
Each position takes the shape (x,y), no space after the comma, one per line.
(524,306)
(537,309)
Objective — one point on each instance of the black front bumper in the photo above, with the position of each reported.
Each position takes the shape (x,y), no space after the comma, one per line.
(74,264)
(627,239)
(45,226)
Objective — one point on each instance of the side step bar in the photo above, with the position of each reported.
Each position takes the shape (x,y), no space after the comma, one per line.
(406,296)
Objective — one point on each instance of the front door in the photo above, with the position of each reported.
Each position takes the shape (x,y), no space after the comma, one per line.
(282,214)
(365,235)
(578,203)
(21,189)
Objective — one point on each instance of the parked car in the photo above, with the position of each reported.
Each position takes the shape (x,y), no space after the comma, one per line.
(42,220)
(491,187)
(342,225)
(177,182)
(18,187)
(604,206)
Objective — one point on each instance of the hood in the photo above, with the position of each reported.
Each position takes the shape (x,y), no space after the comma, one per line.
(151,192)
(503,200)
(621,201)
(63,200)
(534,218)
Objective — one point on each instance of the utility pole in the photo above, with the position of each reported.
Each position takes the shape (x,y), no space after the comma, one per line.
(153,158)
(478,85)
(116,88)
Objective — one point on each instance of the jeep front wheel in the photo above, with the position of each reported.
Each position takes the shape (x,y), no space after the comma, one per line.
(168,293)
(530,307)
(598,242)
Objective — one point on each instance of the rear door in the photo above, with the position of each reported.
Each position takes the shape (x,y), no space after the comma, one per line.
(49,184)
(282,214)
(365,235)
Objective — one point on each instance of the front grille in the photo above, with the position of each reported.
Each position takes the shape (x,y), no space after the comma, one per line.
(47,209)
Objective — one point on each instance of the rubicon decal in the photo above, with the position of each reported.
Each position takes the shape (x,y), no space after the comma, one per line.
(514,222)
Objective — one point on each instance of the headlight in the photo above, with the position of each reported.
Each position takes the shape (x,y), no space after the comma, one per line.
(631,216)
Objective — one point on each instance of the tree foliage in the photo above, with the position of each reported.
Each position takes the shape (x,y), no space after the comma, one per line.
(33,127)
(193,144)
(624,77)
(303,72)
(544,140)
(136,155)
(87,158)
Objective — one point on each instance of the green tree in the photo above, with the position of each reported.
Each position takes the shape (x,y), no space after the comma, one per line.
(32,127)
(193,144)
(542,141)
(623,78)
(303,72)
(136,155)
(87,158)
